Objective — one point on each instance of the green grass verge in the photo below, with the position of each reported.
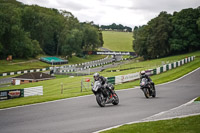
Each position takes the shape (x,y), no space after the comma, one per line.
(52,88)
(118,41)
(25,64)
(178,125)
(6,66)
(198,99)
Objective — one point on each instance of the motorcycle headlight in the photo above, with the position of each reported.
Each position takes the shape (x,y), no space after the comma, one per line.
(142,83)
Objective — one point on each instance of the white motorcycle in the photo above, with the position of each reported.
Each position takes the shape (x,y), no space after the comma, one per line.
(103,95)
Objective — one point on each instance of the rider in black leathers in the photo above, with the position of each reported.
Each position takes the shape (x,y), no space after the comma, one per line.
(103,82)
(143,75)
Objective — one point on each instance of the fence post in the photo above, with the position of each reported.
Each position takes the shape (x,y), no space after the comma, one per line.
(81,85)
(61,88)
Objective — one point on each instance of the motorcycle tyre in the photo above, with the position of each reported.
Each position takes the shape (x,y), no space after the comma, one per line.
(100,100)
(146,92)
(154,93)
(116,99)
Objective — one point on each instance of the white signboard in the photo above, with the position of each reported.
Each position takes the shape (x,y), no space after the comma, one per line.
(33,91)
(125,78)
(17,82)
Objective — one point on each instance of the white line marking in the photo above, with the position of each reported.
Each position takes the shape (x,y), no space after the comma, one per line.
(146,119)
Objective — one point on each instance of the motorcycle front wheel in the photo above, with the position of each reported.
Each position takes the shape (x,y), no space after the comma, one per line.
(146,92)
(100,99)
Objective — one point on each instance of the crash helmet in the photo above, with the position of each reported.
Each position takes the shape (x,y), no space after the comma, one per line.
(142,73)
(96,76)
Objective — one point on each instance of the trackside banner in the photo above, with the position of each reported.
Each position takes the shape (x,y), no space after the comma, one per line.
(10,94)
(126,78)
(109,53)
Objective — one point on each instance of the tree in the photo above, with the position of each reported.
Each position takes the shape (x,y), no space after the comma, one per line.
(139,43)
(151,41)
(159,31)
(72,43)
(26,31)
(168,34)
(90,37)
(185,36)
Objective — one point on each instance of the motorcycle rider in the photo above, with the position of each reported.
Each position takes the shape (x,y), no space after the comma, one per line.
(103,82)
(143,75)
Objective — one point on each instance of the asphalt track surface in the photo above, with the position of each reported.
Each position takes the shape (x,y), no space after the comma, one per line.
(83,115)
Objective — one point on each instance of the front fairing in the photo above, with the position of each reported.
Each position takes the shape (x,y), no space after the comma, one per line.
(96,86)
(144,83)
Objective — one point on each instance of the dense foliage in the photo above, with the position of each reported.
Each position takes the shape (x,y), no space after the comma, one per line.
(26,31)
(116,27)
(168,34)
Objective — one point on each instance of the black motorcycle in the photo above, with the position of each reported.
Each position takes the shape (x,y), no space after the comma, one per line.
(147,88)
(103,95)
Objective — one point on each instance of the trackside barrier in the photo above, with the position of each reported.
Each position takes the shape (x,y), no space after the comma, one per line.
(126,78)
(25,71)
(130,77)
(172,65)
(16,93)
(111,80)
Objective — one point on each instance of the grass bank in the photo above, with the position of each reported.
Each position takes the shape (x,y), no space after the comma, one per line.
(28,64)
(178,125)
(118,41)
(52,88)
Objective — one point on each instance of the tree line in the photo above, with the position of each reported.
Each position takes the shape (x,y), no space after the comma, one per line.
(168,34)
(116,27)
(27,31)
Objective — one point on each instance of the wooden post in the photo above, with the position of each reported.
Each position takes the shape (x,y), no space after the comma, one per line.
(61,88)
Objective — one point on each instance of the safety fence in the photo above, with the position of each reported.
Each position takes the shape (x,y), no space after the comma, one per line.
(15,93)
(134,76)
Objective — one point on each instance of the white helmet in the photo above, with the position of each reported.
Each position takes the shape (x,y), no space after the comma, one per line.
(96,76)
(142,72)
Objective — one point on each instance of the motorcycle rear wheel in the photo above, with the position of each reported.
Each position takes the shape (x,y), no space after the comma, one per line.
(116,99)
(154,93)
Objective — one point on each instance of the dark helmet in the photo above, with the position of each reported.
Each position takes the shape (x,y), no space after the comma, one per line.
(96,76)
